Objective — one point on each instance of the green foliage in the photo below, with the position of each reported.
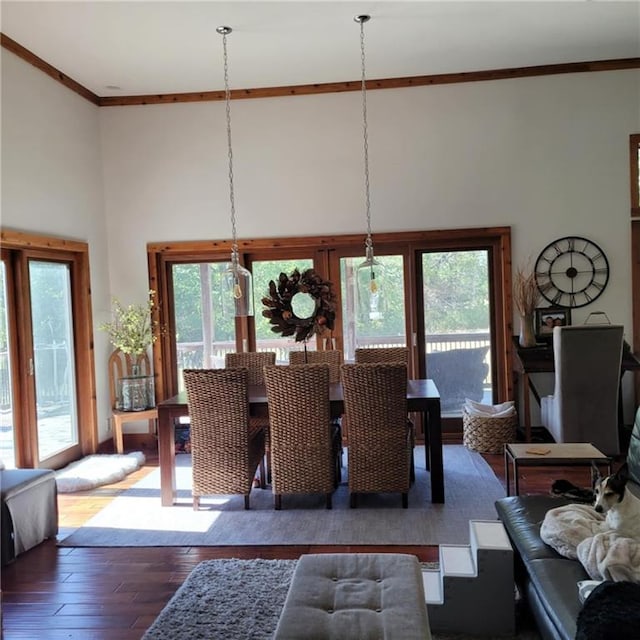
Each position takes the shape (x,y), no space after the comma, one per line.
(456,291)
(49,283)
(131,329)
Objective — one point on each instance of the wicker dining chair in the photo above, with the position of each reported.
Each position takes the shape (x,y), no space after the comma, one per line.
(254,362)
(225,451)
(332,357)
(382,355)
(303,448)
(391,355)
(380,446)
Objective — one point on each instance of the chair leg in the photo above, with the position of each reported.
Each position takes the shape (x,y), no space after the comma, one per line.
(277,501)
(353,501)
(263,482)
(196,503)
(118,443)
(405,500)
(412,469)
(426,445)
(246,502)
(329,502)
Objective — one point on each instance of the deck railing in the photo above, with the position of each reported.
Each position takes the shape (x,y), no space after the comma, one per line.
(53,377)
(190,354)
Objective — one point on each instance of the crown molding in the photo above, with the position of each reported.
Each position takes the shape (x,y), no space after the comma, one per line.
(319,88)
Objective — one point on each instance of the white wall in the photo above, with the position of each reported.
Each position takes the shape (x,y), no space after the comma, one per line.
(52,179)
(548,156)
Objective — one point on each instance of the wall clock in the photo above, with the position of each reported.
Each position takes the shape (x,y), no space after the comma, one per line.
(571,272)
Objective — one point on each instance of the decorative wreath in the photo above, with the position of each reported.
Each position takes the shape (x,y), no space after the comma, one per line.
(280,312)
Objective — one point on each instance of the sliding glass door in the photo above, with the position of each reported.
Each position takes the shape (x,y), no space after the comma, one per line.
(47,381)
(7,430)
(441,292)
(52,366)
(457,319)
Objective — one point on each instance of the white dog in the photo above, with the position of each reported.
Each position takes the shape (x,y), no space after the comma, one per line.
(615,500)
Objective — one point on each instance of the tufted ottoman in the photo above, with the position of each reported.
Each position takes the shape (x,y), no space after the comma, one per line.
(355,595)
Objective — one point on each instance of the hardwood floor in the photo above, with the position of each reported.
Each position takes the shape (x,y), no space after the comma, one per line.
(53,593)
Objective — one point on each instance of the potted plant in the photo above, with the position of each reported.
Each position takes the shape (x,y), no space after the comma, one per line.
(131,332)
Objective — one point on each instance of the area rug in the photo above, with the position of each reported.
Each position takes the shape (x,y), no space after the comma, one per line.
(136,518)
(239,599)
(94,471)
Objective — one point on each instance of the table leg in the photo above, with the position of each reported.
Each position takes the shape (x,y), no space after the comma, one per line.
(166,456)
(516,480)
(434,453)
(506,469)
(526,406)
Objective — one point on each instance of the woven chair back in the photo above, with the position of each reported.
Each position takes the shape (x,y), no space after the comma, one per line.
(382,355)
(224,456)
(375,405)
(253,361)
(301,437)
(332,357)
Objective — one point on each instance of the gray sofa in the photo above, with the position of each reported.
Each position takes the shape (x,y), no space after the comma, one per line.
(547,579)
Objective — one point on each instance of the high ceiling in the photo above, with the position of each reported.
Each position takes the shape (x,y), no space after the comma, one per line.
(117,48)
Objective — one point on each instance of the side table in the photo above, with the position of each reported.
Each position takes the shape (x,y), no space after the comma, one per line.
(559,454)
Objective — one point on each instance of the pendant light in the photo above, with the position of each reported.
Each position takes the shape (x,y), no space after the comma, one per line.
(236,279)
(370,273)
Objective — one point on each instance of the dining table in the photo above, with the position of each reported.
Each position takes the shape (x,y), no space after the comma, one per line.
(422,397)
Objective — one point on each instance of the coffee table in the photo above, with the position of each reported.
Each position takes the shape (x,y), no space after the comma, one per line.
(560,454)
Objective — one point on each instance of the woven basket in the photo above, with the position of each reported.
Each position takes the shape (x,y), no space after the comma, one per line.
(488,435)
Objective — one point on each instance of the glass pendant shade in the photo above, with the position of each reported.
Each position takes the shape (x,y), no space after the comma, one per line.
(238,285)
(370,283)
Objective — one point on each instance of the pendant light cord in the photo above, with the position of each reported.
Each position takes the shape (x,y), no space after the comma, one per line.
(368,242)
(227,96)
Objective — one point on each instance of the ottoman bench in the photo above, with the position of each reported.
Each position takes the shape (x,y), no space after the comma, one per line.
(355,595)
(29,509)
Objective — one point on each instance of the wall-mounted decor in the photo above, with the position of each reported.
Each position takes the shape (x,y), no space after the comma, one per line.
(571,272)
(300,305)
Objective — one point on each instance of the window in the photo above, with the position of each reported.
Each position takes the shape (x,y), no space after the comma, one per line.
(409,317)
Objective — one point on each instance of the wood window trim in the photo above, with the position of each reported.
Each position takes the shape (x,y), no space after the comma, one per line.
(75,253)
(635,287)
(162,255)
(634,169)
(634,172)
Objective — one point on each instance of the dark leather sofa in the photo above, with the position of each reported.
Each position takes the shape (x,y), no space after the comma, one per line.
(547,579)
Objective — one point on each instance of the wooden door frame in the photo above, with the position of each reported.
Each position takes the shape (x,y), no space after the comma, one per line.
(22,247)
(161,255)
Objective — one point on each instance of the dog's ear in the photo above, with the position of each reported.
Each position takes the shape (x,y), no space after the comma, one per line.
(623,472)
(595,475)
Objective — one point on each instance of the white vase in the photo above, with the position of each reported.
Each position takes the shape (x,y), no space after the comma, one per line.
(527,337)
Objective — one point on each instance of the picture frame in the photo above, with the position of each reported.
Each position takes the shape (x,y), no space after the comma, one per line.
(548,317)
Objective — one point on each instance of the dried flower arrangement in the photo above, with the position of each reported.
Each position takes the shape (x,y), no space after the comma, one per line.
(526,293)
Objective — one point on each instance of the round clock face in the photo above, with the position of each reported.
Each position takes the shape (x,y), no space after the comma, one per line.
(571,272)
